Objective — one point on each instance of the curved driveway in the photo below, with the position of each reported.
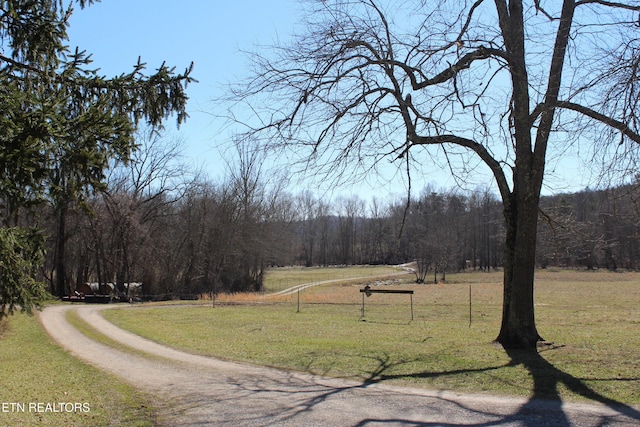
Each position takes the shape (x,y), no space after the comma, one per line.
(190,390)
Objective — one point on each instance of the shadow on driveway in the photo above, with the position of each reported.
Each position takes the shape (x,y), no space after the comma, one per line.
(544,407)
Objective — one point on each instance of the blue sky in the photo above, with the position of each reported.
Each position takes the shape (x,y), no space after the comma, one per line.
(212,34)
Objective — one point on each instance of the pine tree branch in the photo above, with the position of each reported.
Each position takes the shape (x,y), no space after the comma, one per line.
(21,65)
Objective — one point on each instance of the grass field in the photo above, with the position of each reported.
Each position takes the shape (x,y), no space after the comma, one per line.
(278,279)
(37,373)
(592,320)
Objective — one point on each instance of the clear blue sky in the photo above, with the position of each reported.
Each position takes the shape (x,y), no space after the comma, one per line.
(211,33)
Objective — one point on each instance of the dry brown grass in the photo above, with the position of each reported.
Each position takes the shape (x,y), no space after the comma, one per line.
(554,287)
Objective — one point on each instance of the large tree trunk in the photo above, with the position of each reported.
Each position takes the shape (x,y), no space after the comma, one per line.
(518,330)
(61,240)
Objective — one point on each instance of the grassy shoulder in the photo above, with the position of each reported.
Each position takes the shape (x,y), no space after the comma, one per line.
(43,385)
(592,319)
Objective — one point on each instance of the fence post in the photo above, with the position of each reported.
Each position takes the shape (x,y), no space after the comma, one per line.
(411,295)
(469,305)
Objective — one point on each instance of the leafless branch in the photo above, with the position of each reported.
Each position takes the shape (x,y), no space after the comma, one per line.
(609,121)
(614,4)
(479,149)
(542,10)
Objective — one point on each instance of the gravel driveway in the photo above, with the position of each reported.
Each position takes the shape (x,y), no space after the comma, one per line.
(191,390)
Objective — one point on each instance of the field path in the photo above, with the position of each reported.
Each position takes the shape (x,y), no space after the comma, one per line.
(191,390)
(296,288)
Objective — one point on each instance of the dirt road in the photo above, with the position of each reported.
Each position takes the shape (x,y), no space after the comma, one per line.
(193,390)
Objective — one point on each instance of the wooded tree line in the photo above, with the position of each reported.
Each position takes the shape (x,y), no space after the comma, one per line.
(182,236)
(591,229)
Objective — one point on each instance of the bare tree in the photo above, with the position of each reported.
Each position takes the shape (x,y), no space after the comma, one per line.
(138,195)
(460,84)
(380,239)
(307,212)
(350,213)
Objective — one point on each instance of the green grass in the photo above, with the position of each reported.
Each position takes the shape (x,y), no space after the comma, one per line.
(592,319)
(34,370)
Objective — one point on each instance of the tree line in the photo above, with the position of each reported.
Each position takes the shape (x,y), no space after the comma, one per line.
(182,235)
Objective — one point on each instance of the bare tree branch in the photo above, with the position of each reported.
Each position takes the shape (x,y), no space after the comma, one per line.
(479,149)
(555,79)
(609,121)
(614,4)
(542,10)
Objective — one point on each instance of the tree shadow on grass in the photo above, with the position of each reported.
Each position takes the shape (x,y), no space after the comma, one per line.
(289,398)
(545,397)
(547,380)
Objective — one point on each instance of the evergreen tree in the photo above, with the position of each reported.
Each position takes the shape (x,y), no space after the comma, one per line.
(62,124)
